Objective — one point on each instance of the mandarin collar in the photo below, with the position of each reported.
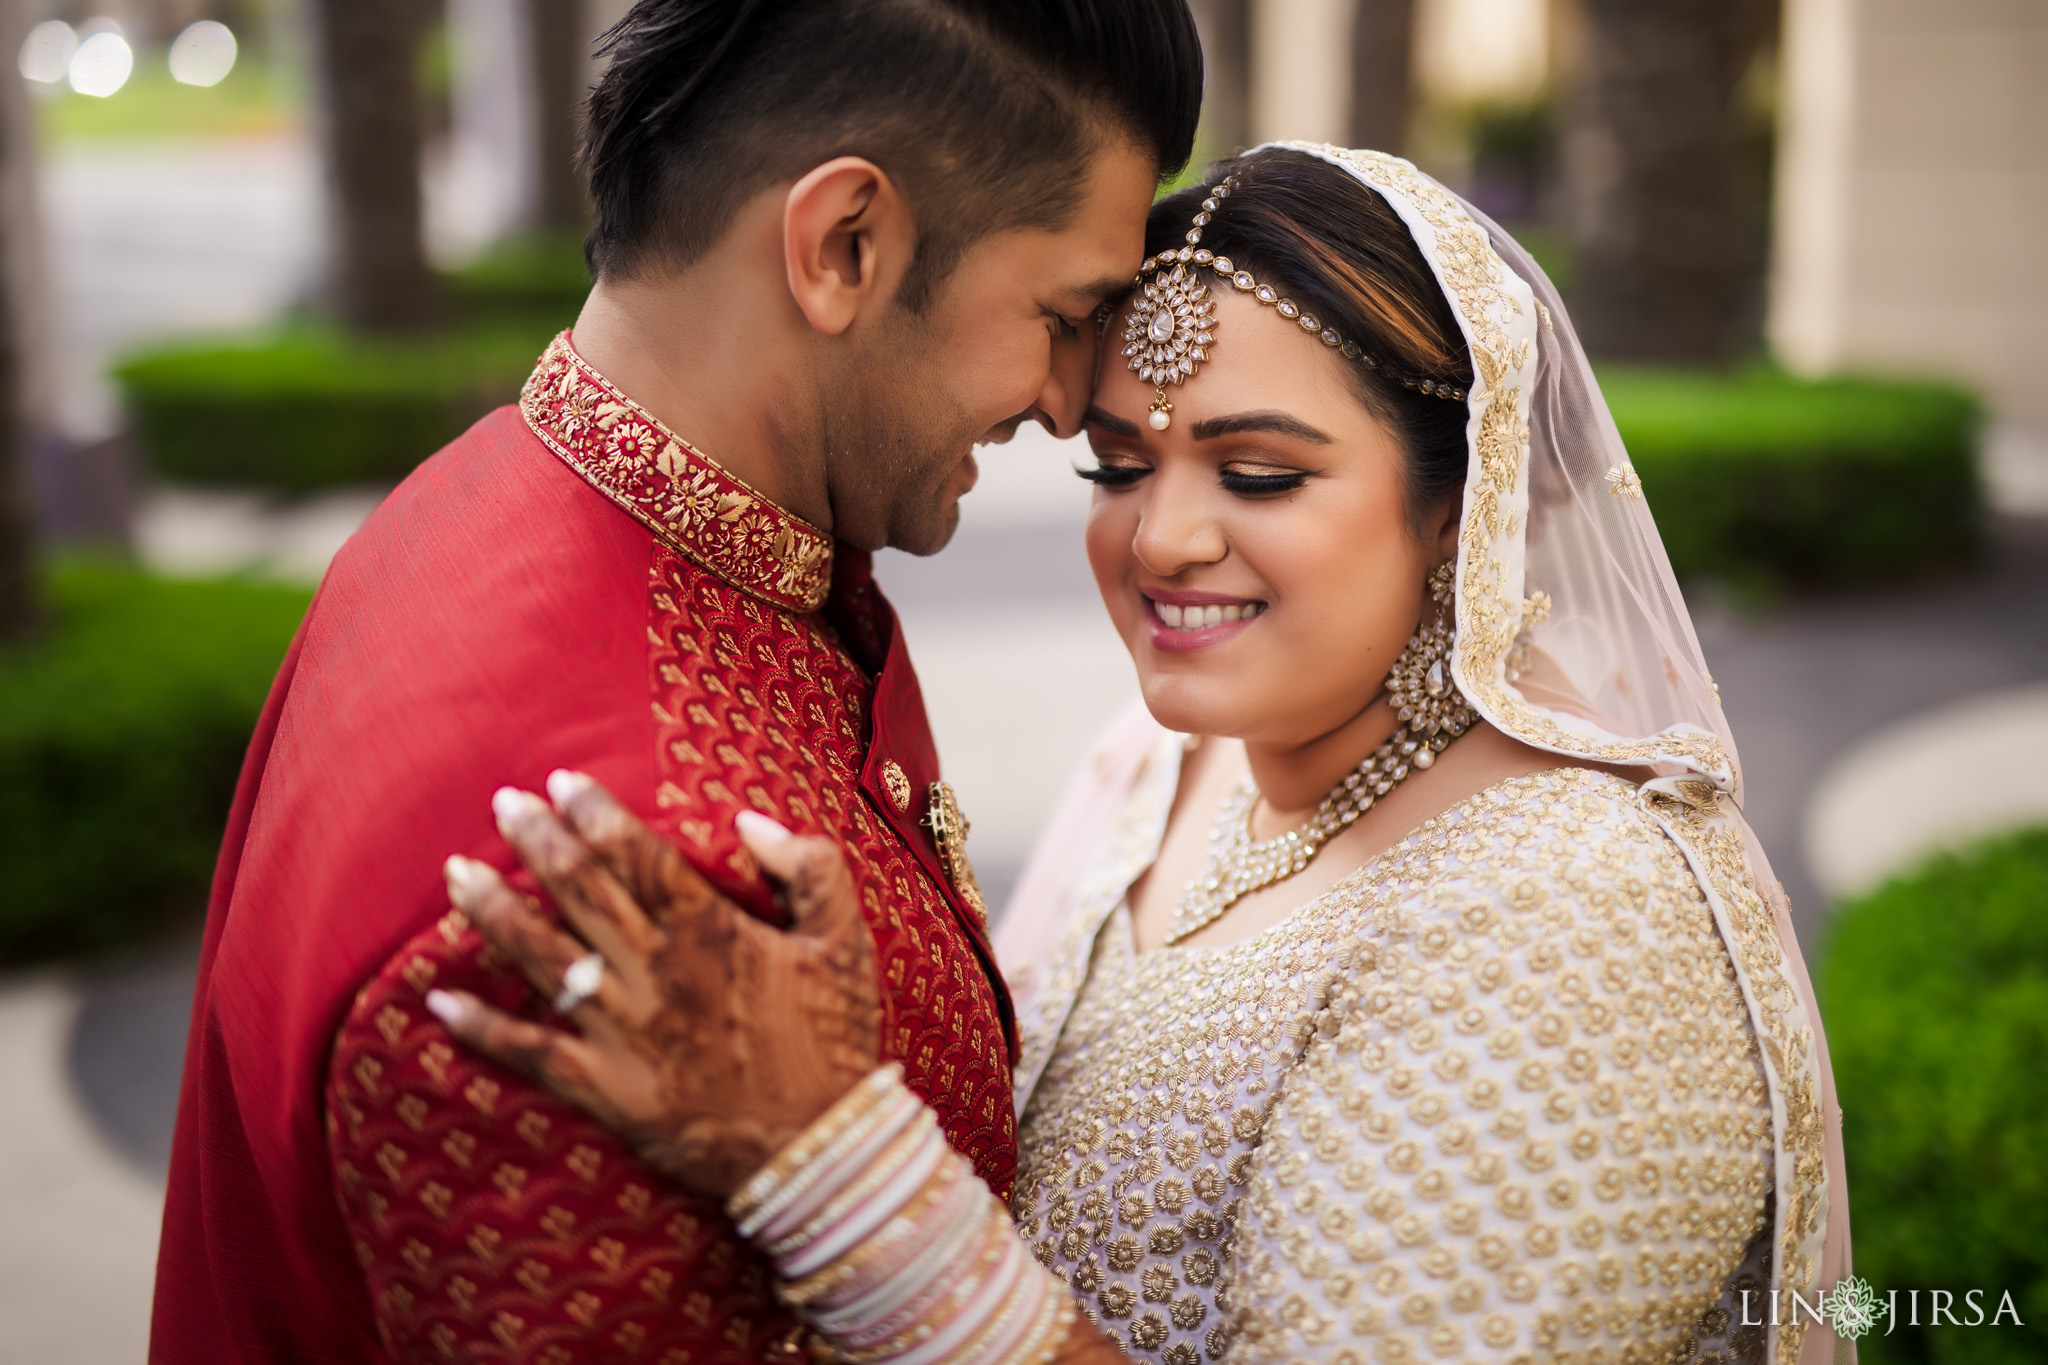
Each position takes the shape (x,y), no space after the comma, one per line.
(686,498)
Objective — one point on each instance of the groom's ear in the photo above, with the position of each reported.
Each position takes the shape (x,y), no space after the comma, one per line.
(847,238)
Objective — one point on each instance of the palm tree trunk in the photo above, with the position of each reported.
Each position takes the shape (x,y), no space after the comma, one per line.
(561,78)
(18,605)
(1226,28)
(1663,179)
(1382,86)
(369,63)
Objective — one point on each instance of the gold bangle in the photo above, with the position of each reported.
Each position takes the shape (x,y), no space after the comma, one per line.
(1050,1331)
(887,1307)
(957,1296)
(806,1147)
(887,1165)
(860,1263)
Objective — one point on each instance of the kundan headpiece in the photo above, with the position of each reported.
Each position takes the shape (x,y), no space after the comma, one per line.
(1172,323)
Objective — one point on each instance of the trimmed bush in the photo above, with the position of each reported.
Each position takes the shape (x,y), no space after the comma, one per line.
(314,407)
(1936,996)
(537,281)
(1760,477)
(122,729)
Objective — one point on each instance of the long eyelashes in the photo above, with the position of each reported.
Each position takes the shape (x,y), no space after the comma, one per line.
(1248,485)
(1261,483)
(1113,475)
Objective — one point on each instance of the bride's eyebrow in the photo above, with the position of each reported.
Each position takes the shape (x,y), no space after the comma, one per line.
(1115,426)
(1277,423)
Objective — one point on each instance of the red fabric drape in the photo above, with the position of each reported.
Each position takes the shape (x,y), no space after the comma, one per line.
(486,625)
(496,618)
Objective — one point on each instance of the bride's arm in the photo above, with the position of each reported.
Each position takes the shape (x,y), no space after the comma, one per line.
(739,1060)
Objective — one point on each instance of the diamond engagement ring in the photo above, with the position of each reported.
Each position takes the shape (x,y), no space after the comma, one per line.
(580,982)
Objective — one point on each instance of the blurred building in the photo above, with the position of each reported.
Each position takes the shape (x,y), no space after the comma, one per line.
(1912,193)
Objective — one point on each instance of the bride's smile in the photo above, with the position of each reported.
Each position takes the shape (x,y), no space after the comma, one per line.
(1260,556)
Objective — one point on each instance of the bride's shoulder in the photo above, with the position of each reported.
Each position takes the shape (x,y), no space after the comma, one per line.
(1569,835)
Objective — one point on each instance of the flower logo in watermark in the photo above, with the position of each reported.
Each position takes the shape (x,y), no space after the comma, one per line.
(1852,1309)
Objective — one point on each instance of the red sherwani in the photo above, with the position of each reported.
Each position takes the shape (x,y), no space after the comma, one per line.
(567,585)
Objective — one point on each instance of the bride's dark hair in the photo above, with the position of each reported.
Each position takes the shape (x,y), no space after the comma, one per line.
(1317,235)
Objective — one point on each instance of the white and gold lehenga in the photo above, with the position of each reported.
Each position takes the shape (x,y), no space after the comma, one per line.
(1542,1081)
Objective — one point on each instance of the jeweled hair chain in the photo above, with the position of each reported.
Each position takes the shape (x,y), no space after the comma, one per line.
(1172,322)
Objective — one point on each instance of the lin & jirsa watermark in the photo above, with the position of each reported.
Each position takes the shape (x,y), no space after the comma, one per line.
(1854,1307)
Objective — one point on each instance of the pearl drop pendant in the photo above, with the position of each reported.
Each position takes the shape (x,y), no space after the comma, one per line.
(1160,419)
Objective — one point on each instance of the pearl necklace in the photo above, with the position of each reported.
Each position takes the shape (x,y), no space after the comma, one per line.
(1240,865)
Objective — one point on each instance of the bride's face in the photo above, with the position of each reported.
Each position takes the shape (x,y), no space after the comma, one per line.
(1256,556)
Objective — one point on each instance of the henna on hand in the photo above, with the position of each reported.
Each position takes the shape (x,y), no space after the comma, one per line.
(713,1039)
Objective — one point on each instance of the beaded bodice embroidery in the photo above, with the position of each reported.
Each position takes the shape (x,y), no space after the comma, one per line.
(1497,1093)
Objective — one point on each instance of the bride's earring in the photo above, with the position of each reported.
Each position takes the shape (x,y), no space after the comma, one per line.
(1420,686)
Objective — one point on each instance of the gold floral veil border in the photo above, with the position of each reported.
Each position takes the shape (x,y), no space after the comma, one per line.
(1573,637)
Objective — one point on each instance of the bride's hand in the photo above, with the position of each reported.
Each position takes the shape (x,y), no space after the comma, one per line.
(711,1039)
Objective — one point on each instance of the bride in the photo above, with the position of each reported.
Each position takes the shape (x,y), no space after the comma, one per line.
(1401,984)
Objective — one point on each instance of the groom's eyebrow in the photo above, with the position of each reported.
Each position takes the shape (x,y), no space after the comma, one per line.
(1105,290)
(1114,425)
(1277,423)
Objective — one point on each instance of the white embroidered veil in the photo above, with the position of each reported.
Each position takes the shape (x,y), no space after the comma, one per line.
(1573,637)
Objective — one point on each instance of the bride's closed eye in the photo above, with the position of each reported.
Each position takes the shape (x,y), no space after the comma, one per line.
(1114,475)
(1252,484)
(1243,483)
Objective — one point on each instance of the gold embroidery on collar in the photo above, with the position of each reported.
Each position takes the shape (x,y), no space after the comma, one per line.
(676,491)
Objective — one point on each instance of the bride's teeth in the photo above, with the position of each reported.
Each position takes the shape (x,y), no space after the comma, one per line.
(1212,616)
(1168,613)
(1230,613)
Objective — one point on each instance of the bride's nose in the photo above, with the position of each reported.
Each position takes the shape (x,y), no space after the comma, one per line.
(1177,529)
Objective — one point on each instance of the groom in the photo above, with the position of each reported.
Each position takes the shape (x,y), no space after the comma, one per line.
(836,242)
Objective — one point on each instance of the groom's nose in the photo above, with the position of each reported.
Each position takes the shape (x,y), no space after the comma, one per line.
(1069,383)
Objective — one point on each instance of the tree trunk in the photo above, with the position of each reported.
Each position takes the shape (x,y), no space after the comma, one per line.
(18,605)
(369,52)
(1664,179)
(1382,86)
(1226,28)
(561,78)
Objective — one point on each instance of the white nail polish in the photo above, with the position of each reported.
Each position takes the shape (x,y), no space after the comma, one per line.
(509,803)
(565,786)
(463,874)
(760,827)
(444,1007)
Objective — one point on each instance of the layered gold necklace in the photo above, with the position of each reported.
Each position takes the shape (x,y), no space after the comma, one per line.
(1432,712)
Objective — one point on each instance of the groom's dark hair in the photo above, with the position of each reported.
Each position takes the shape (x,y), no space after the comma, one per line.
(986,112)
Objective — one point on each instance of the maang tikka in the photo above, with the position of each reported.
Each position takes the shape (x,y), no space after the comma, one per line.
(1172,322)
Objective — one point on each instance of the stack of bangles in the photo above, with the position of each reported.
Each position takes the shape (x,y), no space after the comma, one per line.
(890,1246)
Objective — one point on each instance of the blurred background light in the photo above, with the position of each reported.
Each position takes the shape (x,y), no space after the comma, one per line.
(203,54)
(102,64)
(47,51)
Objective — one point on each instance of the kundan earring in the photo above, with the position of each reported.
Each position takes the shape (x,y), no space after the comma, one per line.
(1420,686)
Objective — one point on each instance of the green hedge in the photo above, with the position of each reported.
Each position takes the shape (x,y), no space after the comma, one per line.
(122,728)
(314,407)
(1936,996)
(1760,477)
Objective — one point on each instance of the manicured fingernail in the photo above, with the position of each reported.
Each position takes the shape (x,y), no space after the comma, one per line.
(509,803)
(565,786)
(753,824)
(463,874)
(444,1007)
